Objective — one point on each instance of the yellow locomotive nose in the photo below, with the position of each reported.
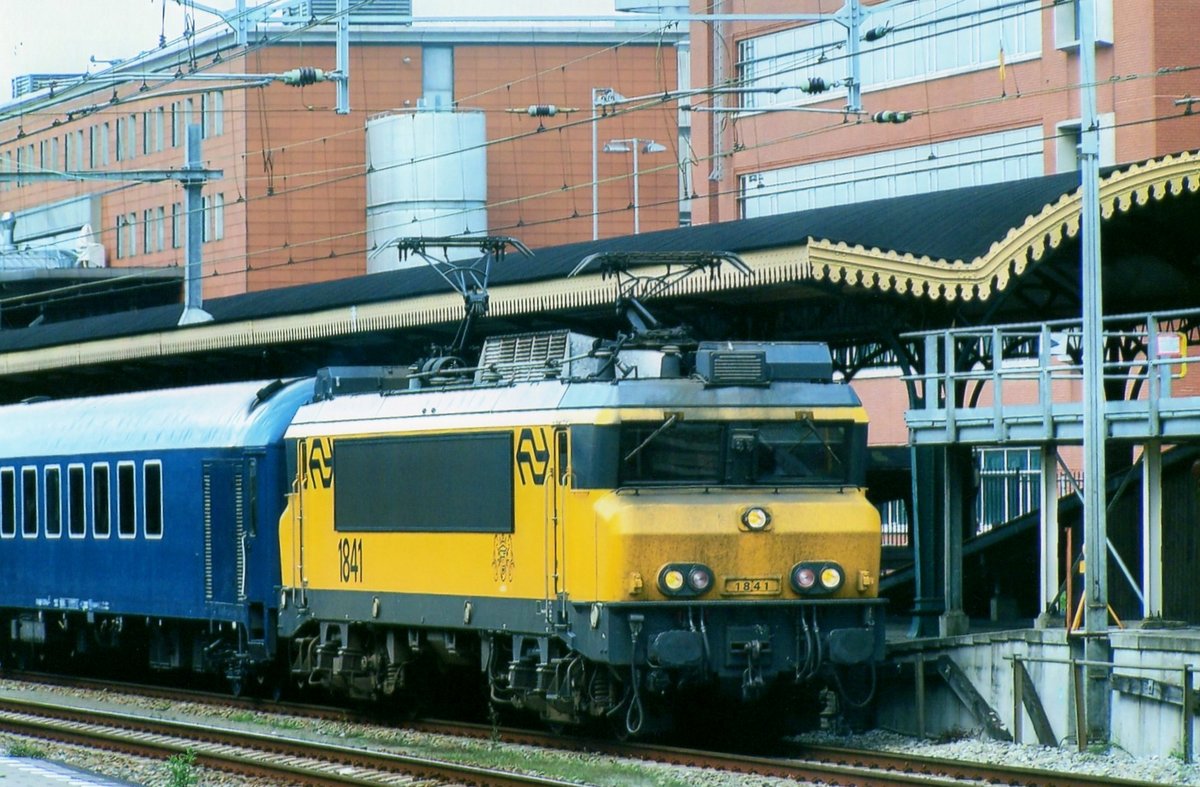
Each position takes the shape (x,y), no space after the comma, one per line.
(719,548)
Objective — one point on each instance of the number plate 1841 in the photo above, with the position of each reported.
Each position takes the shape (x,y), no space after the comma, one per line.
(752,586)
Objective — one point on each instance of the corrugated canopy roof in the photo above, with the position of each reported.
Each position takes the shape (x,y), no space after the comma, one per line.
(960,244)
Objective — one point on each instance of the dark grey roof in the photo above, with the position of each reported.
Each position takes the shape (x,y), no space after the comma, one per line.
(958,224)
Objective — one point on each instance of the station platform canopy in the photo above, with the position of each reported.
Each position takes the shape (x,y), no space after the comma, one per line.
(857,276)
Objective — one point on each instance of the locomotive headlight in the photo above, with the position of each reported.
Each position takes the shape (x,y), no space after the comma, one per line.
(818,577)
(804,577)
(756,519)
(672,580)
(685,580)
(699,579)
(831,578)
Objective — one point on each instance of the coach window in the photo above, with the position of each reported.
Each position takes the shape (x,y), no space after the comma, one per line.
(100,501)
(53,483)
(76,515)
(126,501)
(152,499)
(8,503)
(29,502)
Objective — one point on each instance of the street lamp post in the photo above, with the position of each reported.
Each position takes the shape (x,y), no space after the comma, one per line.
(636,145)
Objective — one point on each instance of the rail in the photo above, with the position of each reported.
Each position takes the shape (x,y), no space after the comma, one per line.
(1022,383)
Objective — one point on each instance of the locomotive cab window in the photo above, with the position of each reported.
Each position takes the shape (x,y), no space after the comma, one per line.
(29,502)
(126,501)
(101,508)
(152,499)
(764,453)
(53,484)
(76,514)
(8,503)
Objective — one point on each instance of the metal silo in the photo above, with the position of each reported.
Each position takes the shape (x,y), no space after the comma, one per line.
(426,177)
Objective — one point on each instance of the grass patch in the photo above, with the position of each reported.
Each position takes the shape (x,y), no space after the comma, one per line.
(26,749)
(582,768)
(181,769)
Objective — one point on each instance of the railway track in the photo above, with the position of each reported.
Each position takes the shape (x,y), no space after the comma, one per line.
(273,756)
(803,764)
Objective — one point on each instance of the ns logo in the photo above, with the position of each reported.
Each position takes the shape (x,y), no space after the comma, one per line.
(316,463)
(533,456)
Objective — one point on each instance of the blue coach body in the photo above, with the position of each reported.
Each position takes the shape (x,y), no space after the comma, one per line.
(147,515)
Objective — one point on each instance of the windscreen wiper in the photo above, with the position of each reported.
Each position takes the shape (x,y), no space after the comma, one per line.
(665,426)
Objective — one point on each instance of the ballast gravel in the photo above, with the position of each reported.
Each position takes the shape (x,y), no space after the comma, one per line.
(1113,763)
(585,768)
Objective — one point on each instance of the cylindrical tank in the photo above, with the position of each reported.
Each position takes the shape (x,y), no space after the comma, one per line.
(426,177)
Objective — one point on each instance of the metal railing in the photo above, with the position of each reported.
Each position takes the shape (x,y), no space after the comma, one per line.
(1145,355)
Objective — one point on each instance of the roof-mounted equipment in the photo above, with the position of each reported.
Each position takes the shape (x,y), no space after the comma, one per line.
(469,278)
(643,275)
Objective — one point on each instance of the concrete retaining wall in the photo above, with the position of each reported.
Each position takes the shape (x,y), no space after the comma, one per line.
(1141,725)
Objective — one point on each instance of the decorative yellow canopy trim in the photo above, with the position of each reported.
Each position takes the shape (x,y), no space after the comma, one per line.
(954,279)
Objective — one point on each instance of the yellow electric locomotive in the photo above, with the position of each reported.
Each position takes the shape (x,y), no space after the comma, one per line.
(601,531)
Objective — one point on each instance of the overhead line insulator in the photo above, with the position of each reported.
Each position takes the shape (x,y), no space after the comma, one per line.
(305,75)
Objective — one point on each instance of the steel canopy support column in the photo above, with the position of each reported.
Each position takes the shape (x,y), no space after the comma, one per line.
(957,460)
(1098,650)
(1048,504)
(928,479)
(1152,580)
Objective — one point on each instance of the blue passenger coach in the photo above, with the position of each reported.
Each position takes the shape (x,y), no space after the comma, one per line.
(146,522)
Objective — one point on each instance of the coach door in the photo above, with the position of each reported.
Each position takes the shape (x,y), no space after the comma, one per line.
(224,531)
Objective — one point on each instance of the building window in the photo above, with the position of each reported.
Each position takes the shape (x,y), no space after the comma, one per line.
(8,502)
(217,107)
(215,217)
(131,128)
(1068,136)
(29,502)
(928,37)
(158,129)
(1066,23)
(176,121)
(76,514)
(121,155)
(152,499)
(54,518)
(160,229)
(176,225)
(126,500)
(101,507)
(954,163)
(213,213)
(122,253)
(131,235)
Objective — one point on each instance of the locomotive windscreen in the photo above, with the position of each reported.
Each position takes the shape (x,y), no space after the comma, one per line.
(769,453)
(461,483)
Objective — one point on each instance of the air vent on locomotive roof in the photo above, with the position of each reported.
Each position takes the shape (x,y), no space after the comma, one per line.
(749,363)
(528,357)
